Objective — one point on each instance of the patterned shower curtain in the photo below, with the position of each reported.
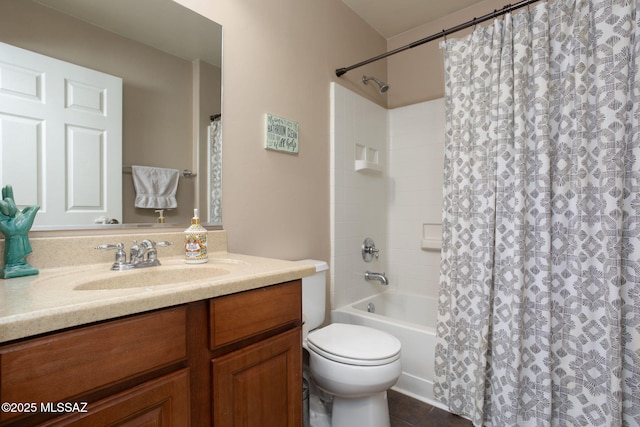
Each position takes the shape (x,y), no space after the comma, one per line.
(539,307)
(215,172)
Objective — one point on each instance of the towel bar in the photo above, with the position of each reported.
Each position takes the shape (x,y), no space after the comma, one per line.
(185,173)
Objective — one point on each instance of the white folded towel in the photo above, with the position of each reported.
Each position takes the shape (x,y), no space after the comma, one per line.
(155,187)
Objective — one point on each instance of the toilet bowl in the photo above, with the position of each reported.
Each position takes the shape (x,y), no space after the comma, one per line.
(354,364)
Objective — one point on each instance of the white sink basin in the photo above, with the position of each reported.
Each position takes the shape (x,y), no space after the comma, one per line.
(152,276)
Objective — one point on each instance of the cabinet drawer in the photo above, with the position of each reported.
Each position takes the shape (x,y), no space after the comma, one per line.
(247,314)
(160,402)
(67,364)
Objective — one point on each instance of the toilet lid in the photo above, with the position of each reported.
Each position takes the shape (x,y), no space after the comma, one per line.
(354,344)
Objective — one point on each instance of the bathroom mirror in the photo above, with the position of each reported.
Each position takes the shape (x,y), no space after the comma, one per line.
(169,58)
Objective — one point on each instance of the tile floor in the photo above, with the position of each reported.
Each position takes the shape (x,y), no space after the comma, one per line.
(408,412)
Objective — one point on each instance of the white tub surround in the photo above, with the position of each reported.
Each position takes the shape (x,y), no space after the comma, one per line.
(414,210)
(358,195)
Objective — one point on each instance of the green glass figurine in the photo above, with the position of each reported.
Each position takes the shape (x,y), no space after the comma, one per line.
(15,226)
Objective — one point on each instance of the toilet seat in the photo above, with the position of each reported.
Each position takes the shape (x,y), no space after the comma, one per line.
(354,344)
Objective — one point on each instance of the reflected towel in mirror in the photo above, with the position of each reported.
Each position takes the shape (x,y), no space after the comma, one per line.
(155,187)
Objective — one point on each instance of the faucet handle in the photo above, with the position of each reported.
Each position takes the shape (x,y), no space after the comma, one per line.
(108,246)
(369,250)
(152,254)
(150,244)
(121,256)
(147,244)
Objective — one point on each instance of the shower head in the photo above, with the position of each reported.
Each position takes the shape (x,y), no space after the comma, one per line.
(383,86)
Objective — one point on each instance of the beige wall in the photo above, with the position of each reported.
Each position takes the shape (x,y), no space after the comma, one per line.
(417,74)
(279,57)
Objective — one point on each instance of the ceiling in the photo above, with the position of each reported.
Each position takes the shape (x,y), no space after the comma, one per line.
(392,17)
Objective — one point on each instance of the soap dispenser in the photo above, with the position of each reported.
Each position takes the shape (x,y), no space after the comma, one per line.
(161,218)
(195,241)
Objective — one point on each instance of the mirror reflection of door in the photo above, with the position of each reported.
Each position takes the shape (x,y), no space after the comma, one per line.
(169,58)
(60,138)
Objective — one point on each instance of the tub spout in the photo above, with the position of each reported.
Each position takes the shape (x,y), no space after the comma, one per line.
(380,277)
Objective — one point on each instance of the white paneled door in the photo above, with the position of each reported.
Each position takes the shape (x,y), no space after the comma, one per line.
(60,138)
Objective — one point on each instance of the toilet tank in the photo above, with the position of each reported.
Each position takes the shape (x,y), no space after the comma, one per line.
(314,295)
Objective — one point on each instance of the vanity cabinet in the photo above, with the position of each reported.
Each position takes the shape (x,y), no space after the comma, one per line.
(258,382)
(235,360)
(89,363)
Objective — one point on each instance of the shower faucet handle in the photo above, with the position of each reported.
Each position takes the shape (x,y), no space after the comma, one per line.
(369,250)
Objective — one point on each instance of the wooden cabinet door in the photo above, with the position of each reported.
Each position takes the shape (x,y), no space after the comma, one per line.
(260,385)
(160,402)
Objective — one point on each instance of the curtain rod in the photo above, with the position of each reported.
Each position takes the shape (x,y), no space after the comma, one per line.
(475,21)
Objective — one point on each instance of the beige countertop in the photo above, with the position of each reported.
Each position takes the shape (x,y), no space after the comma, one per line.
(57,298)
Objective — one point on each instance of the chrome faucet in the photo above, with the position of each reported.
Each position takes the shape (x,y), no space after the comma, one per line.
(380,277)
(137,254)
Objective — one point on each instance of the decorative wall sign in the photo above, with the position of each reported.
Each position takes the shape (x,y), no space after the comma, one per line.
(281,134)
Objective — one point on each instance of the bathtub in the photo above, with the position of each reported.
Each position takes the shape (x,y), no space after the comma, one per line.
(411,319)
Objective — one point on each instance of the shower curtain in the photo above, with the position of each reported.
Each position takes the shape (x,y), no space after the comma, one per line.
(539,306)
(215,172)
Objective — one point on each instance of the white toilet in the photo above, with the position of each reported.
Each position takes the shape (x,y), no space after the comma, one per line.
(354,364)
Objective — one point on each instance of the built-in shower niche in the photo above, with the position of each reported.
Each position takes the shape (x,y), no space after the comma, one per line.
(431,236)
(368,159)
